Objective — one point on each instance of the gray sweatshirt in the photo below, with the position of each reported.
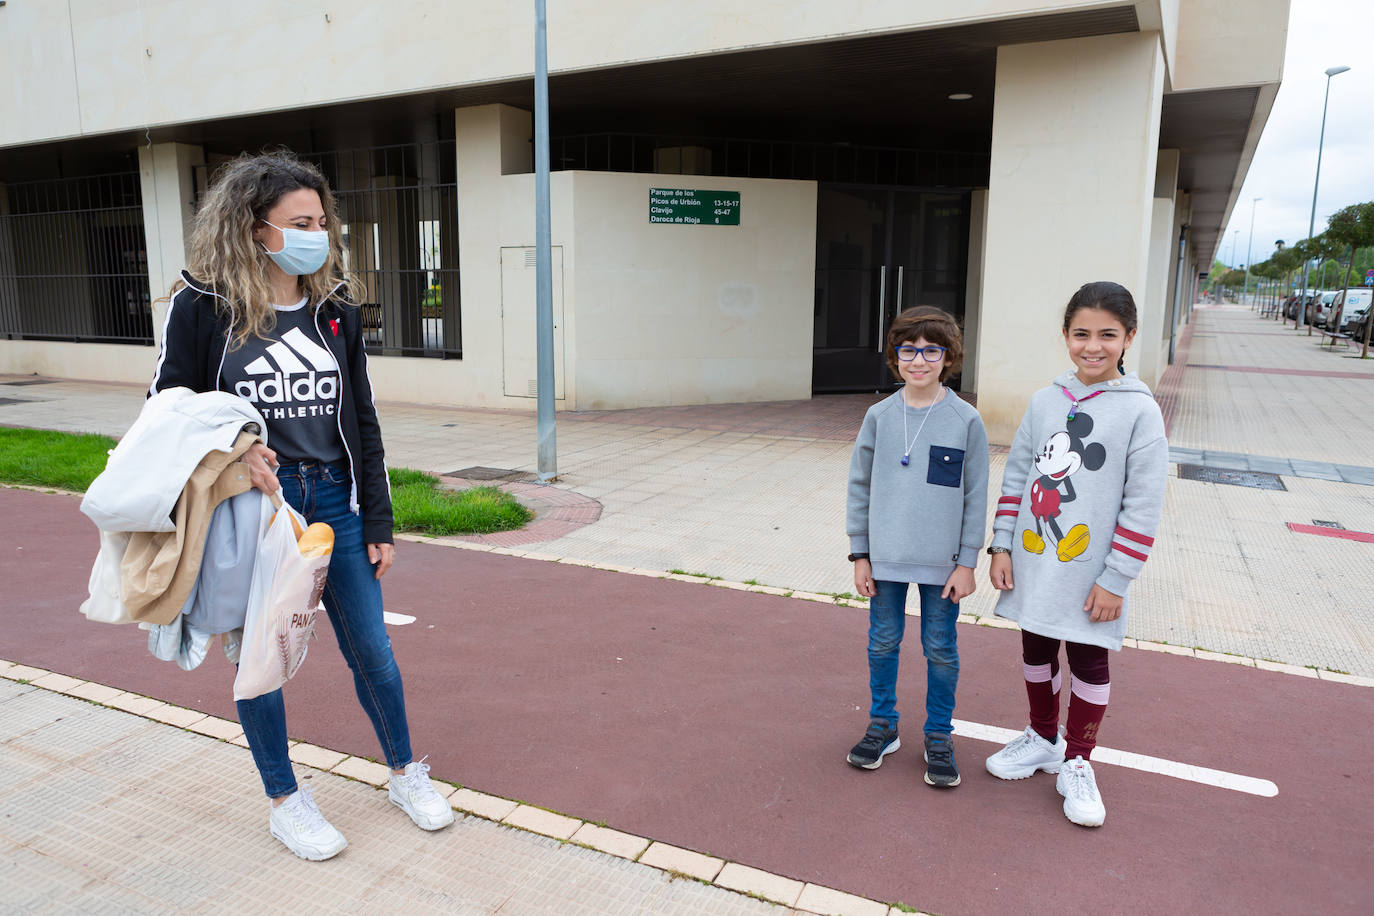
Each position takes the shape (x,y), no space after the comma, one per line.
(917,521)
(1081,500)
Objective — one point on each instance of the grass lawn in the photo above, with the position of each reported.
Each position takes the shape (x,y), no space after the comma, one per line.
(69,461)
(421,505)
(42,458)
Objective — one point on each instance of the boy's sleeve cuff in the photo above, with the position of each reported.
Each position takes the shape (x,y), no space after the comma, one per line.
(858,543)
(968,556)
(1114,582)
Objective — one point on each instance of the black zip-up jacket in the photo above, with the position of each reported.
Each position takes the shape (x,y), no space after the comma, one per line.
(196,337)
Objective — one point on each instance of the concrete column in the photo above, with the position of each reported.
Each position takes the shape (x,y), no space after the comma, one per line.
(973,297)
(1150,358)
(1070,200)
(165,173)
(491,141)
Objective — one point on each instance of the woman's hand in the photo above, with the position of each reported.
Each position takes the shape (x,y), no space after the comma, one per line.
(381,556)
(863,579)
(262,467)
(1102,605)
(1000,573)
(959,585)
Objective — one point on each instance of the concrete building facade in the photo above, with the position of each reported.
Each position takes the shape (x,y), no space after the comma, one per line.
(743,198)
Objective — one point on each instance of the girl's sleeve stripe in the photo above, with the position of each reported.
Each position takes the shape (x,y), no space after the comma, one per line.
(1129,552)
(1009,501)
(1136,536)
(1012,513)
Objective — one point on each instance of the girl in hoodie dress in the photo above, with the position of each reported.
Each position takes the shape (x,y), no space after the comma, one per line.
(1081,499)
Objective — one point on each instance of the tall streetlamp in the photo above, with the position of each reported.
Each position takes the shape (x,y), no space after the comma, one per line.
(1250,244)
(1312,219)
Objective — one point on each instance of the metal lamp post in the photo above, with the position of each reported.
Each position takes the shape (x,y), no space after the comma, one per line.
(1312,219)
(1250,244)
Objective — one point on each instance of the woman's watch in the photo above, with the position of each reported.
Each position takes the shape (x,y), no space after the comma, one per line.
(993,550)
(857,556)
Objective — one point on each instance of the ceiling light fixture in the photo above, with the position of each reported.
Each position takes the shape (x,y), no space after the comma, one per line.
(960,96)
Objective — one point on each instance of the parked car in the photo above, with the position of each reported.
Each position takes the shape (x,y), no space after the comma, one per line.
(1296,301)
(1318,311)
(1347,305)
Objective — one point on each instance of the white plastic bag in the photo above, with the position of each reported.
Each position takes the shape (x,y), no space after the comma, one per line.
(282,602)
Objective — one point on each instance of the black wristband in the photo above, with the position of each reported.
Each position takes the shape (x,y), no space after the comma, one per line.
(857,556)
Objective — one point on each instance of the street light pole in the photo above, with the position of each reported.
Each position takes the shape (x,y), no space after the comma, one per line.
(1250,244)
(546,429)
(1312,219)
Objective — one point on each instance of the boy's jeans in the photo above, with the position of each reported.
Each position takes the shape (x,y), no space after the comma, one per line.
(886,624)
(353,599)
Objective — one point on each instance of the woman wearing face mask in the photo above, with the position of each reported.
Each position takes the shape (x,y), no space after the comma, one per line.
(264,311)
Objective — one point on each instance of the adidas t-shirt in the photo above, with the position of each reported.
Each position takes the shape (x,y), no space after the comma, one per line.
(293,381)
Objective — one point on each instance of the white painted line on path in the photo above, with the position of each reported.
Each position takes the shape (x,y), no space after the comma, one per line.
(1186,771)
(396,620)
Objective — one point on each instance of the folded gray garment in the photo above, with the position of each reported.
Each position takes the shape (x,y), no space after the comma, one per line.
(219,600)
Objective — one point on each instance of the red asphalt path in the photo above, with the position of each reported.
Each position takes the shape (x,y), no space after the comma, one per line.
(718,720)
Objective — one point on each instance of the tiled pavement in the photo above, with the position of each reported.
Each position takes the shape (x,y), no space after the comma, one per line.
(755,493)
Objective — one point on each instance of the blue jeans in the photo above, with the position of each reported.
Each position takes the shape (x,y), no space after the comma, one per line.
(886,624)
(353,600)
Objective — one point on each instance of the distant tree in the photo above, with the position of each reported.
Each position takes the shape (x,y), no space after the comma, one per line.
(1353,226)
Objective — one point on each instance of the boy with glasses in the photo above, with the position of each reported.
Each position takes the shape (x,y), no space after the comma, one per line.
(916,514)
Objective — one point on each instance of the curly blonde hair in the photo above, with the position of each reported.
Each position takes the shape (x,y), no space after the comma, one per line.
(224,255)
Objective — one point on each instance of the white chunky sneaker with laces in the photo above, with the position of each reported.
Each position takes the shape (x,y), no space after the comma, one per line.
(1027,753)
(414,794)
(1082,802)
(298,823)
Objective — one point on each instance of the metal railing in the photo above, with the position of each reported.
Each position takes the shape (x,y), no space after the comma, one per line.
(399,210)
(787,159)
(74,260)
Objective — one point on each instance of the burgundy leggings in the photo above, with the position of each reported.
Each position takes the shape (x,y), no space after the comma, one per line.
(1088,663)
(1088,697)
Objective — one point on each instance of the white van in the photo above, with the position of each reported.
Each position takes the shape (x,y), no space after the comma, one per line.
(1349,306)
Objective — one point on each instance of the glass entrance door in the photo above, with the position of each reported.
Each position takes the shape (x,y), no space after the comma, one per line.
(880,251)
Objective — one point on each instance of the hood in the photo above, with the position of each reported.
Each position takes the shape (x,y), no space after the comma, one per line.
(1130,382)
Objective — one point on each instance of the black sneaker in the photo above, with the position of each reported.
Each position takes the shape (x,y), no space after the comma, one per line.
(879,741)
(940,768)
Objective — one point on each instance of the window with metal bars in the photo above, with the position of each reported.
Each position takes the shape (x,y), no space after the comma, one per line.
(398,206)
(74,260)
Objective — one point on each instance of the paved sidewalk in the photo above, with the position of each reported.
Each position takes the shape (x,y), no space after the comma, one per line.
(726,491)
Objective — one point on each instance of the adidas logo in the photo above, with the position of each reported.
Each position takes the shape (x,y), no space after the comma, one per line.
(304,371)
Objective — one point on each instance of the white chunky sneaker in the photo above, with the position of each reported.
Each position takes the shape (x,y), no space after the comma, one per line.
(414,794)
(1027,753)
(298,823)
(1082,802)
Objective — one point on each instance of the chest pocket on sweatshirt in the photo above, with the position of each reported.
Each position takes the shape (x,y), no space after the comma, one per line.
(946,467)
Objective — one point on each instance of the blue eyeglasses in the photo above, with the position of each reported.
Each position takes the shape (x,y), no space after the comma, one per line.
(931,354)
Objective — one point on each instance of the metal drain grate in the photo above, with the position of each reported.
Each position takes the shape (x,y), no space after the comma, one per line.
(1259,480)
(1321,523)
(482,473)
(32,381)
(4,401)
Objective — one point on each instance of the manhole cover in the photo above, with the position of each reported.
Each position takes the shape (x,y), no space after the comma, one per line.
(1320,523)
(1259,480)
(481,473)
(32,381)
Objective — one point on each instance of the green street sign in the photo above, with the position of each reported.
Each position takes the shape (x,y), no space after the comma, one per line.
(689,207)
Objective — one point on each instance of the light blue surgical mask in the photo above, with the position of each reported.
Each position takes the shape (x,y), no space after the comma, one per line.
(301,252)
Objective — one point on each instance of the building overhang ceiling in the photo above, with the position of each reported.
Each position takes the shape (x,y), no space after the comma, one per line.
(888,90)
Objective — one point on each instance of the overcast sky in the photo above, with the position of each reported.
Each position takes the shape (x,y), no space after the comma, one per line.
(1321,34)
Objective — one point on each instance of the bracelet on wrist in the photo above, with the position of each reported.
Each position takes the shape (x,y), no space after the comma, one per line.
(997,550)
(854,557)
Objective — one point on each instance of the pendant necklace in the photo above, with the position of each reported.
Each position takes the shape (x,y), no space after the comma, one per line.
(1073,408)
(906,457)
